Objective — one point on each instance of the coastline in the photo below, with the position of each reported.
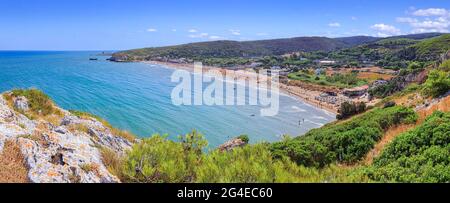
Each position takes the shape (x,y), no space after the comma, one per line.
(301,94)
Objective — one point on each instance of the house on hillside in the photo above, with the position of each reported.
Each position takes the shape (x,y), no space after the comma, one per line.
(255,64)
(356,91)
(325,62)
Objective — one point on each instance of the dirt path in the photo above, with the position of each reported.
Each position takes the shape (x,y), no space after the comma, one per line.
(391,134)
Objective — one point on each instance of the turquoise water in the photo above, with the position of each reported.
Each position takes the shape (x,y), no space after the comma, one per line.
(136,97)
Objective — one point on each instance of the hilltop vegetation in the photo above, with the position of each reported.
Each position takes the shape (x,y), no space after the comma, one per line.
(157,160)
(420,155)
(428,50)
(337,80)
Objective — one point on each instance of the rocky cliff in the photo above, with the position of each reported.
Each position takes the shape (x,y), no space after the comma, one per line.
(58,147)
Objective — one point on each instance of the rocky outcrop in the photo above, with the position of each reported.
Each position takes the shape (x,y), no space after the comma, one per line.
(445,57)
(21,103)
(231,144)
(65,152)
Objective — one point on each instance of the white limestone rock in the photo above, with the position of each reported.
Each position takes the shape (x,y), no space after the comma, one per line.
(59,154)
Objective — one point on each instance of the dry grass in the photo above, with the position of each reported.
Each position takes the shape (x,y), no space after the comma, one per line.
(94,168)
(44,108)
(387,138)
(392,133)
(12,164)
(112,161)
(78,128)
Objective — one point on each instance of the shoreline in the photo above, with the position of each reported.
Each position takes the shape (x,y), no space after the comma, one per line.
(298,93)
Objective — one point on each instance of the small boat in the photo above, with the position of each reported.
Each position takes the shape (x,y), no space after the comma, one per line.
(93,59)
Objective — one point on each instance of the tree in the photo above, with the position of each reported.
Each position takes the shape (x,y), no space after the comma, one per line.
(415,66)
(445,66)
(438,83)
(244,138)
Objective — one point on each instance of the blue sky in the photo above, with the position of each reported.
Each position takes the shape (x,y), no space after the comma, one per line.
(118,25)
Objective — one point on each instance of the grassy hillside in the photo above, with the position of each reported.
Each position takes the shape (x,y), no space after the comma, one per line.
(420,155)
(396,52)
(431,49)
(224,49)
(418,36)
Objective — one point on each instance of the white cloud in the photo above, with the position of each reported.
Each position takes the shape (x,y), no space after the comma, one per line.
(174,30)
(354,18)
(431,12)
(406,20)
(201,35)
(385,30)
(152,30)
(235,32)
(428,20)
(192,31)
(335,24)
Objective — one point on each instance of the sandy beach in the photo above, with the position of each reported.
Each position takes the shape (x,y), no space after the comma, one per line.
(302,94)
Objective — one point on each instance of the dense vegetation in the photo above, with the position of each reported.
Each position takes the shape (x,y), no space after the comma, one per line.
(438,81)
(227,49)
(338,79)
(40,105)
(343,142)
(157,160)
(348,109)
(394,52)
(421,155)
(431,49)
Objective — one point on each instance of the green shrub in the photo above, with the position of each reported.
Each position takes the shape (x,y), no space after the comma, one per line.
(244,138)
(348,109)
(158,160)
(420,155)
(115,131)
(438,83)
(445,66)
(415,65)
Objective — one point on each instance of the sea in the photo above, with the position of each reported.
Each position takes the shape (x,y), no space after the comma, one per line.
(137,97)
